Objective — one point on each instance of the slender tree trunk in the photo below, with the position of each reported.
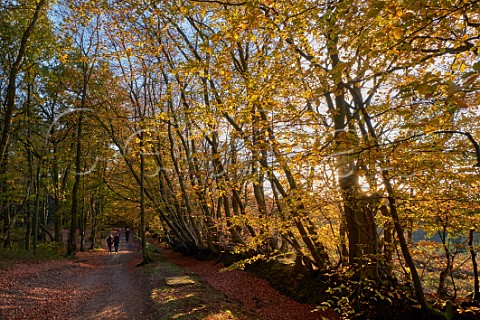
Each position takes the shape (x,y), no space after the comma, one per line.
(28,226)
(410,232)
(476,285)
(444,273)
(211,227)
(83,222)
(441,290)
(43,217)
(190,224)
(93,234)
(146,256)
(419,293)
(30,178)
(5,209)
(56,196)
(388,245)
(58,218)
(36,209)
(343,242)
(71,243)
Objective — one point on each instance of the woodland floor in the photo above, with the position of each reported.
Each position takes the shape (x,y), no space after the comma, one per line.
(97,285)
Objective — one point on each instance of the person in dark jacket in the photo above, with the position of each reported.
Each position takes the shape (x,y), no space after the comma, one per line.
(109,241)
(127,234)
(116,241)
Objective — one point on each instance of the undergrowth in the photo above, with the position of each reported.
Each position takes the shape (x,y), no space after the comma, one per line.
(18,254)
(351,297)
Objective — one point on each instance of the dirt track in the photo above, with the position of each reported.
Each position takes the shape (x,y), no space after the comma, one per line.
(118,292)
(98,285)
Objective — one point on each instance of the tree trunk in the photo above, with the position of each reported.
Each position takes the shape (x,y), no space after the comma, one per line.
(83,223)
(410,232)
(56,196)
(43,217)
(476,286)
(72,243)
(419,293)
(146,257)
(222,183)
(36,209)
(343,242)
(58,218)
(93,234)
(359,221)
(188,220)
(28,226)
(4,210)
(441,290)
(388,245)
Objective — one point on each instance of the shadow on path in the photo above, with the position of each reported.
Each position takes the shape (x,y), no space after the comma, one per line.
(115,290)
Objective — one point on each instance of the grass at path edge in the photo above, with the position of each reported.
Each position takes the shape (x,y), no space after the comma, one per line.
(188,301)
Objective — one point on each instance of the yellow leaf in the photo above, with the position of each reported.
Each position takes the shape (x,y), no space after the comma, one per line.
(397,33)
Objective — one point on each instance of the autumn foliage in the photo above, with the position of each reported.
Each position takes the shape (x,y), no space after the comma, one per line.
(331,136)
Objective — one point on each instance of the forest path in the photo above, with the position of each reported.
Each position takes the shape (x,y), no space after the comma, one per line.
(117,292)
(96,285)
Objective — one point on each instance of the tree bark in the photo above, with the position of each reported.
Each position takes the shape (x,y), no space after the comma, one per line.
(83,222)
(36,209)
(4,204)
(441,290)
(476,286)
(72,243)
(5,210)
(388,245)
(146,256)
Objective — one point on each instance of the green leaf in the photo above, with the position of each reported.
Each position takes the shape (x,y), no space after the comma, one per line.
(476,66)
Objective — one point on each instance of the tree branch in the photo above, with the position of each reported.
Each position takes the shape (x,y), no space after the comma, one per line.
(224,3)
(472,140)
